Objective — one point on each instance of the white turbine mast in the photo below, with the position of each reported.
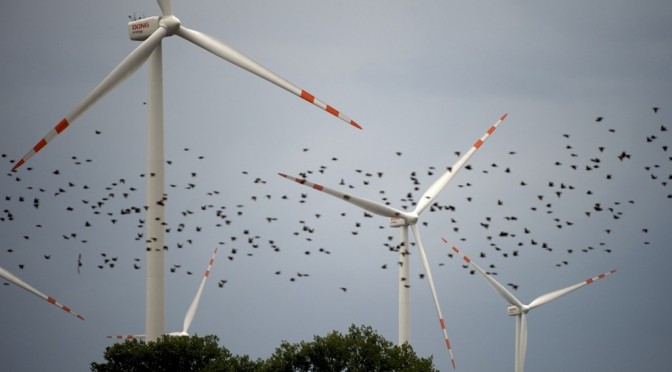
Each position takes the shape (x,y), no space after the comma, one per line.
(189,316)
(520,310)
(16,280)
(402,219)
(151,32)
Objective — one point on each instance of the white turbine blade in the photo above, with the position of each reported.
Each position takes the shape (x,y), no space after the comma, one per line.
(123,70)
(430,280)
(548,297)
(14,279)
(508,296)
(438,185)
(371,206)
(189,317)
(228,53)
(166,7)
(523,342)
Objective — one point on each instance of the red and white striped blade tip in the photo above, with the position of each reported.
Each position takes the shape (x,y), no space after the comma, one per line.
(328,108)
(58,129)
(65,308)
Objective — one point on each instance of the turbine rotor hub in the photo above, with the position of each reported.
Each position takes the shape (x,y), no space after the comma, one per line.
(171,24)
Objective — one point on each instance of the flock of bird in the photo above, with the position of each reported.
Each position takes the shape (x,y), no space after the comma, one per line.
(197,211)
(120,200)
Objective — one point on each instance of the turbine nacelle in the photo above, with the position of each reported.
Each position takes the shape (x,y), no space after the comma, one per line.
(141,29)
(515,310)
(405,219)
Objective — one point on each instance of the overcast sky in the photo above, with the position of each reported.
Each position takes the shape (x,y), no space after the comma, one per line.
(424,79)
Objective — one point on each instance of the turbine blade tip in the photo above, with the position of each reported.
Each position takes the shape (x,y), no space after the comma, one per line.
(354,124)
(18,165)
(504,116)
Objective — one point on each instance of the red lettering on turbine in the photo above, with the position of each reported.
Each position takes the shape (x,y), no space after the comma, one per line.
(140,26)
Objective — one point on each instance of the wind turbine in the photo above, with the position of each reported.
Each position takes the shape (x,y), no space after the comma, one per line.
(16,280)
(189,316)
(403,219)
(151,31)
(520,310)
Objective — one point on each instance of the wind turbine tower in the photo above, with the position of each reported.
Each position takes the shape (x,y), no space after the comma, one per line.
(151,31)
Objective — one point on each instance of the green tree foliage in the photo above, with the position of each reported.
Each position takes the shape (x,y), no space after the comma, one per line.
(362,349)
(172,354)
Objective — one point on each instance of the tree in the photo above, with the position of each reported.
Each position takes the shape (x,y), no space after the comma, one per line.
(170,353)
(362,349)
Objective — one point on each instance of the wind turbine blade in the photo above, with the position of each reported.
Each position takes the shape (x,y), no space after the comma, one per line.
(166,7)
(548,297)
(14,279)
(523,342)
(438,185)
(226,52)
(430,280)
(508,296)
(189,317)
(371,206)
(123,70)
